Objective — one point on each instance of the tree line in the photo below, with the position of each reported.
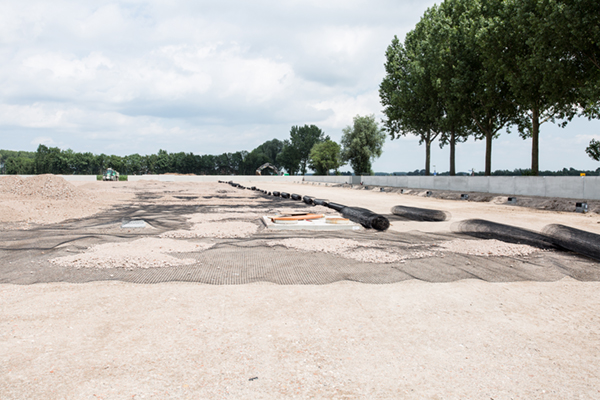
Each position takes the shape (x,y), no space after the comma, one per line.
(473,68)
(307,147)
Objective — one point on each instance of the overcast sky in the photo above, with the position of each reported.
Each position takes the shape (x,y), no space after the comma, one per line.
(123,77)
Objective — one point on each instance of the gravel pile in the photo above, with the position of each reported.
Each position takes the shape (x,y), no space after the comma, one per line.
(231,229)
(141,253)
(40,186)
(210,217)
(486,248)
(351,249)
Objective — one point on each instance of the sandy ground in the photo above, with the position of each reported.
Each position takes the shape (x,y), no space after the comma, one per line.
(468,339)
(411,340)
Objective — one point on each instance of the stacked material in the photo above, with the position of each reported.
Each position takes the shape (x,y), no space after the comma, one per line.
(40,186)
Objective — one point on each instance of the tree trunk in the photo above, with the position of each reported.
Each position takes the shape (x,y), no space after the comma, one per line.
(488,153)
(535,141)
(427,157)
(452,153)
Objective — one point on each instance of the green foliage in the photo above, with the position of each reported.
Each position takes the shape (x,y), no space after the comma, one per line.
(122,178)
(324,157)
(98,177)
(593,150)
(302,140)
(362,143)
(474,67)
(289,158)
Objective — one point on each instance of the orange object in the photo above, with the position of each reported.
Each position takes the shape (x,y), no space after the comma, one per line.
(300,217)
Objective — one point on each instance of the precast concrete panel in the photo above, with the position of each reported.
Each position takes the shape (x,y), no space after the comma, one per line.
(372,180)
(479,184)
(426,182)
(569,187)
(591,188)
(328,178)
(530,186)
(454,183)
(502,185)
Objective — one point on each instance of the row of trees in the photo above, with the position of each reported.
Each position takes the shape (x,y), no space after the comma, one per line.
(307,147)
(476,67)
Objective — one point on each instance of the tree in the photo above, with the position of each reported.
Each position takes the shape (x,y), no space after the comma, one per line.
(325,156)
(543,82)
(271,150)
(302,139)
(289,158)
(362,143)
(410,99)
(593,150)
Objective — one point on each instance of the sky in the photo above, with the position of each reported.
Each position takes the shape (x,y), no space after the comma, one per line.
(124,77)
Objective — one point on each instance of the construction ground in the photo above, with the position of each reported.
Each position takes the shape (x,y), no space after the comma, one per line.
(121,290)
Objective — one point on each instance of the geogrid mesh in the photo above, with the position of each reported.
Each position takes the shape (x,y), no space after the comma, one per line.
(25,254)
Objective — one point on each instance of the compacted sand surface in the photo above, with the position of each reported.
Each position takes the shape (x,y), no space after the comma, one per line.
(525,329)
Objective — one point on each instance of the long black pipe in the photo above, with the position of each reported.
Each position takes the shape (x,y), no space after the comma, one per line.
(578,241)
(366,218)
(420,214)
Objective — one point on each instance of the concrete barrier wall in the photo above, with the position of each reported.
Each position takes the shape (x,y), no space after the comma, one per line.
(570,187)
(328,178)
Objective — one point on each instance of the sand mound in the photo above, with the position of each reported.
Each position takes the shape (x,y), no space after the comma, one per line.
(487,248)
(141,253)
(40,186)
(351,249)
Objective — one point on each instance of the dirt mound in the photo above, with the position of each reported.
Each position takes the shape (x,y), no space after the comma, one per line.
(40,186)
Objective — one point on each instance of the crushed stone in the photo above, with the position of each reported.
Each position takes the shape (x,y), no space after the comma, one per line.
(140,253)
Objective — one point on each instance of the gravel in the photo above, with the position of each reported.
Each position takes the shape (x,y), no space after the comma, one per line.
(491,247)
(142,253)
(41,186)
(230,229)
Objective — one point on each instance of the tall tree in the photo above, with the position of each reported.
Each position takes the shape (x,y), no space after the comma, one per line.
(521,46)
(362,143)
(411,100)
(271,149)
(289,158)
(303,138)
(325,156)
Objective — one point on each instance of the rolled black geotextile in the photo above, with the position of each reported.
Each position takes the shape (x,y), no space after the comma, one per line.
(492,230)
(320,202)
(285,195)
(308,200)
(296,196)
(276,194)
(366,218)
(336,206)
(578,241)
(420,214)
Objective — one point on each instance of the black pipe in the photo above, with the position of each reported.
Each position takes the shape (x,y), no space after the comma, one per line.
(296,196)
(483,229)
(276,194)
(285,195)
(578,241)
(308,200)
(420,214)
(336,206)
(366,218)
(320,202)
